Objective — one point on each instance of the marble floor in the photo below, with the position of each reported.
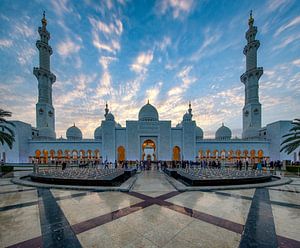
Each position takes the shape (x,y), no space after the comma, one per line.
(152,214)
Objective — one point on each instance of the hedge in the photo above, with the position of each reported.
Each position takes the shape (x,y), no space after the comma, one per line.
(6,169)
(293,168)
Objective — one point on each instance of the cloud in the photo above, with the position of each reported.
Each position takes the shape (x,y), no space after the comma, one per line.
(177,7)
(142,61)
(61,7)
(105,61)
(106,35)
(296,62)
(25,56)
(24,30)
(185,81)
(5,43)
(290,24)
(153,92)
(210,38)
(275,5)
(286,41)
(67,48)
(164,43)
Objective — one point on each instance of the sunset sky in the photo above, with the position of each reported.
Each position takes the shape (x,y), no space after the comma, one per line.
(169,51)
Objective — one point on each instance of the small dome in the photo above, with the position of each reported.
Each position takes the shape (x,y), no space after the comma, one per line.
(148,113)
(46,133)
(223,133)
(98,133)
(199,133)
(109,117)
(187,117)
(74,133)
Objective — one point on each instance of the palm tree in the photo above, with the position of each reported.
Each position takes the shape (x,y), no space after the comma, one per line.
(292,142)
(6,134)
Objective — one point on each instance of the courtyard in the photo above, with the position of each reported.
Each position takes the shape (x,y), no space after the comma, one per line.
(152,214)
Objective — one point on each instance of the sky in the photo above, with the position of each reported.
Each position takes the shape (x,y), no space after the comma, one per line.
(168,51)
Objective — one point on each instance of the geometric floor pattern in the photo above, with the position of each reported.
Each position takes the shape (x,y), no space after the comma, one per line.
(152,214)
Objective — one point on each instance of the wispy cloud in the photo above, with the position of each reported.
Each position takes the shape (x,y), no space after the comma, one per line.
(211,37)
(275,5)
(286,41)
(185,81)
(4,43)
(290,24)
(142,61)
(106,36)
(177,7)
(296,62)
(67,47)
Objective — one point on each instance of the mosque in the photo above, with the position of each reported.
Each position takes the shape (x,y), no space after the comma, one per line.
(147,138)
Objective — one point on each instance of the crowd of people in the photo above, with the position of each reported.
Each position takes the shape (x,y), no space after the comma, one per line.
(160,165)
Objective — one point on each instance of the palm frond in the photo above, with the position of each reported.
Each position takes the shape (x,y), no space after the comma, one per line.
(292,141)
(6,138)
(7,129)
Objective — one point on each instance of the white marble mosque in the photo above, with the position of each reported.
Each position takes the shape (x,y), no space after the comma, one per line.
(148,137)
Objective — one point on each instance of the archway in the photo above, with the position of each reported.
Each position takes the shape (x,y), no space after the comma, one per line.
(45,153)
(121,153)
(38,155)
(148,150)
(176,153)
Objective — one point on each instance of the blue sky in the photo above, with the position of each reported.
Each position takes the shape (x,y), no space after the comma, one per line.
(167,51)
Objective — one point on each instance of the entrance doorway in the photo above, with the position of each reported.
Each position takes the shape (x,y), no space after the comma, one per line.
(148,150)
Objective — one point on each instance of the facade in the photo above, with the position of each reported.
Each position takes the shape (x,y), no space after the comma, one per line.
(148,137)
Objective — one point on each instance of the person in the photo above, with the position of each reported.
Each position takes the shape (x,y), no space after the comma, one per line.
(240,164)
(247,164)
(106,165)
(64,165)
(2,162)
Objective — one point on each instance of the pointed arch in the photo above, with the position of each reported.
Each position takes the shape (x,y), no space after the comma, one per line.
(96,154)
(121,153)
(200,154)
(176,153)
(52,154)
(59,154)
(238,154)
(89,154)
(38,154)
(45,156)
(223,154)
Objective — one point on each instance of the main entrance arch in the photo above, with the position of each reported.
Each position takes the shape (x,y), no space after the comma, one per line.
(148,150)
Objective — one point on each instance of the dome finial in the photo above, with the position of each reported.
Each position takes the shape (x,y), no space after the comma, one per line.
(251,20)
(222,124)
(106,109)
(44,21)
(74,124)
(190,108)
(148,102)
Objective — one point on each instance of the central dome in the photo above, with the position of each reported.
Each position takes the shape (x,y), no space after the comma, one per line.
(148,113)
(74,133)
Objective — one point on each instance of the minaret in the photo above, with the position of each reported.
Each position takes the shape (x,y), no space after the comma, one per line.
(45,118)
(252,108)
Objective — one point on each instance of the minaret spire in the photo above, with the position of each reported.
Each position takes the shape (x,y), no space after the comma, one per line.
(252,108)
(190,108)
(45,117)
(251,20)
(106,109)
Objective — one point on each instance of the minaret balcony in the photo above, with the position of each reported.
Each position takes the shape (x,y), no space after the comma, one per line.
(257,72)
(38,72)
(42,45)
